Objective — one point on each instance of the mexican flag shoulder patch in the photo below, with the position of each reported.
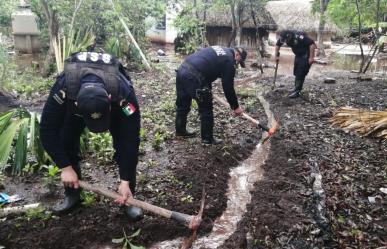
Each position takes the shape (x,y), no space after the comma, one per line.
(129,109)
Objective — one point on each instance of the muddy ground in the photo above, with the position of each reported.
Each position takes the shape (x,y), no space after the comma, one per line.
(285,211)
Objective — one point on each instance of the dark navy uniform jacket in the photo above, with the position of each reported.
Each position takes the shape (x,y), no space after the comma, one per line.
(217,62)
(299,44)
(61,127)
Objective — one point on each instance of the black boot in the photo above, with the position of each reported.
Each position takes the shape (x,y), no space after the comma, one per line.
(207,127)
(134,213)
(297,89)
(72,196)
(180,125)
(71,201)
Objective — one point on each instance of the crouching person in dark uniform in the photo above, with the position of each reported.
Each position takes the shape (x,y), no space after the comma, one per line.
(194,81)
(304,49)
(93,91)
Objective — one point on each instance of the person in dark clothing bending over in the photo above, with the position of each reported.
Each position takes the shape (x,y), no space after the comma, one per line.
(93,91)
(194,81)
(304,49)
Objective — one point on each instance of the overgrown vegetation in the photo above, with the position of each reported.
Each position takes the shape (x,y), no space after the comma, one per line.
(19,136)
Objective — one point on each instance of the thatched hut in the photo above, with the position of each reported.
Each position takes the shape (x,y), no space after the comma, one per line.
(297,15)
(219,27)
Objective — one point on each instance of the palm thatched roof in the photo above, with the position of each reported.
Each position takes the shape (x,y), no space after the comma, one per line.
(297,15)
(223,18)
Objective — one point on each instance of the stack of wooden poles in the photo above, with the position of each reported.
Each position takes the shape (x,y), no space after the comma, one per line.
(363,122)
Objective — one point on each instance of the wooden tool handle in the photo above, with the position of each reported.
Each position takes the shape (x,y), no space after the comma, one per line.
(180,217)
(244,115)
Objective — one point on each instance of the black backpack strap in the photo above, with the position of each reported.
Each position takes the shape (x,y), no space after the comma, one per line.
(75,71)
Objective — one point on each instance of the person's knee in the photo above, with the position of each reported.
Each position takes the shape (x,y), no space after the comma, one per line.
(206,113)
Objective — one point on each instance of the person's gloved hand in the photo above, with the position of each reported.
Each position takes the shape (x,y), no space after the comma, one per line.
(124,191)
(238,112)
(69,177)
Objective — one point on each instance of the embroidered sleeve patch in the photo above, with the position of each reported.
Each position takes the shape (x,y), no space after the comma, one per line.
(129,109)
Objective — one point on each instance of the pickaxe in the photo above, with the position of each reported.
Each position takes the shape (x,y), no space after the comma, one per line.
(270,131)
(191,221)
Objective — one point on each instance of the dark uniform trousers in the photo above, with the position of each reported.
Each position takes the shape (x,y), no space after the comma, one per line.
(301,67)
(186,85)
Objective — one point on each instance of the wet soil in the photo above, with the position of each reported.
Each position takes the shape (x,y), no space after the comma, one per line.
(285,212)
(171,176)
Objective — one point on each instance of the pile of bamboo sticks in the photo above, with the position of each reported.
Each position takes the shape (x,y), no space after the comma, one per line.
(363,122)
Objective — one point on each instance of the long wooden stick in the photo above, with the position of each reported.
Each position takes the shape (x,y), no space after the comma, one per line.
(244,115)
(144,60)
(188,220)
(18,209)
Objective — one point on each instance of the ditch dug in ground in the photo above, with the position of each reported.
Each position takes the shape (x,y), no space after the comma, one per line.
(285,211)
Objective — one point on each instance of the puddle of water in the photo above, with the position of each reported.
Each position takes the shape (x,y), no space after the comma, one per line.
(346,61)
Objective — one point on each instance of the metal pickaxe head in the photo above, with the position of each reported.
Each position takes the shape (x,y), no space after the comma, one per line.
(270,131)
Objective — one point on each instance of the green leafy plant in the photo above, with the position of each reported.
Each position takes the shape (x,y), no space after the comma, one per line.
(157,141)
(51,177)
(19,134)
(88,198)
(126,240)
(102,145)
(38,213)
(187,199)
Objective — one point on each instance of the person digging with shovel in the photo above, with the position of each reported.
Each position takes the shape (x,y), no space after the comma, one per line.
(194,81)
(94,91)
(304,49)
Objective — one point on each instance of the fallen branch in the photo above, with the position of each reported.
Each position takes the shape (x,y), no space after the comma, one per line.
(18,209)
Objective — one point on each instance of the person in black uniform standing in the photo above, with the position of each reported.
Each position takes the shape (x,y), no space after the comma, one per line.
(194,81)
(304,49)
(93,91)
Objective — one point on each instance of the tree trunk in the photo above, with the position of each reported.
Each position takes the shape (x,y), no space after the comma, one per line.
(239,27)
(321,29)
(53,30)
(238,37)
(359,28)
(204,27)
(377,35)
(231,42)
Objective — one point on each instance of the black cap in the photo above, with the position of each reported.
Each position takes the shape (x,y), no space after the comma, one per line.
(93,103)
(286,36)
(243,55)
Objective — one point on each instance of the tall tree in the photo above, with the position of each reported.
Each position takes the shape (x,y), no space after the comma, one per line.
(53,31)
(321,28)
(239,16)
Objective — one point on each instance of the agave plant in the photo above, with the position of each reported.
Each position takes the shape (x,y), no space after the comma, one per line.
(19,135)
(113,46)
(64,45)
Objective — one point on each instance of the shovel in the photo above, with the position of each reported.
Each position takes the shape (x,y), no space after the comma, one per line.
(270,131)
(191,221)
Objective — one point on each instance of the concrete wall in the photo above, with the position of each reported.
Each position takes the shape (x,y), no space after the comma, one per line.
(165,33)
(25,31)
